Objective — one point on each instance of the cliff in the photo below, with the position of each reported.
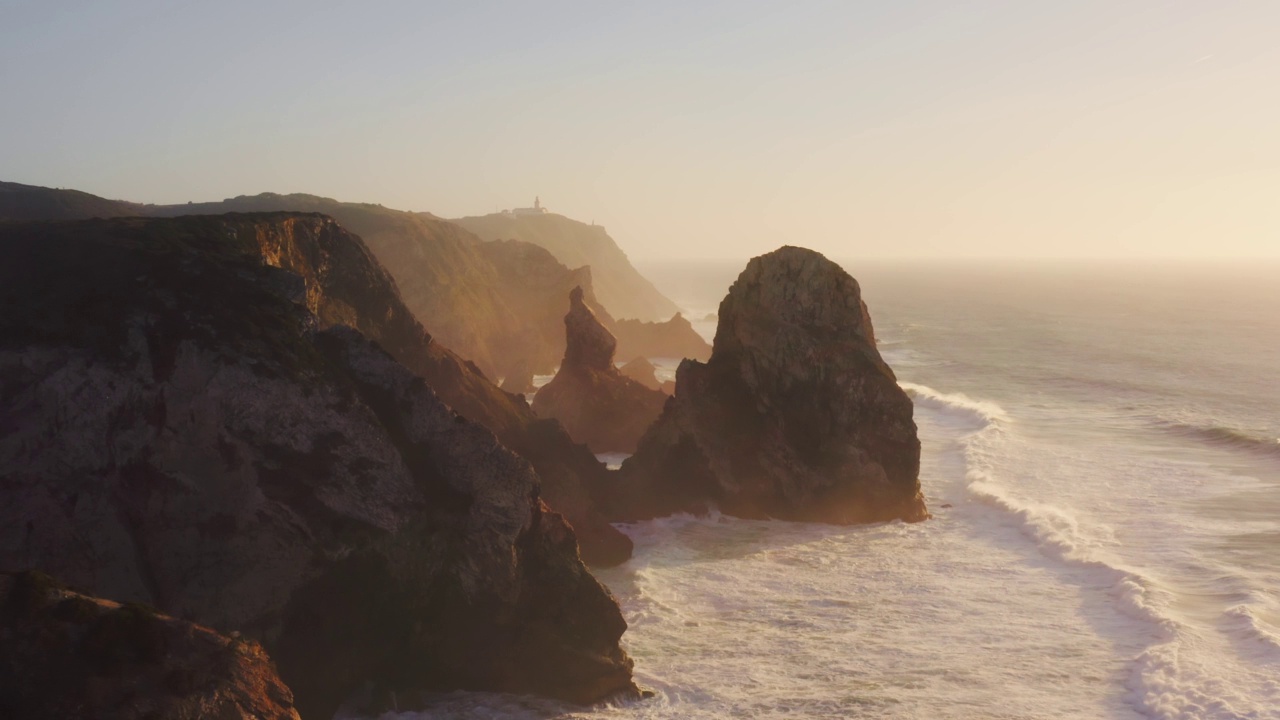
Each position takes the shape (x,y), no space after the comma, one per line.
(67,655)
(795,415)
(177,428)
(466,286)
(481,301)
(595,402)
(618,285)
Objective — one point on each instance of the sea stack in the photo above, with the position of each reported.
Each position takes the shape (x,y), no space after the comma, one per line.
(795,416)
(596,404)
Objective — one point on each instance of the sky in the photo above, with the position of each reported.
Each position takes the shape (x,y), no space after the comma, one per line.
(936,129)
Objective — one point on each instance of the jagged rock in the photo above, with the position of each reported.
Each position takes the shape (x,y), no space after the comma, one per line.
(177,430)
(795,415)
(68,655)
(643,372)
(444,273)
(674,338)
(594,402)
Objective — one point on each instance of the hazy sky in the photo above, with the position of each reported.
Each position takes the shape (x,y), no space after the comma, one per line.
(942,128)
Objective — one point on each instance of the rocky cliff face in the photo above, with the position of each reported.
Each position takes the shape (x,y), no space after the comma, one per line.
(620,287)
(594,402)
(483,301)
(795,415)
(176,428)
(67,655)
(451,279)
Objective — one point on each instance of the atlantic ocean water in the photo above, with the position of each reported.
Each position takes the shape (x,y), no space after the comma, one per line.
(1101,452)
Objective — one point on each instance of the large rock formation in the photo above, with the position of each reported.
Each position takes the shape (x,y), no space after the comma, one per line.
(177,430)
(795,415)
(596,403)
(620,287)
(453,281)
(67,655)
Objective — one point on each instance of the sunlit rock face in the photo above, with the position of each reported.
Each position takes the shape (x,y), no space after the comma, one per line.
(68,655)
(179,428)
(595,402)
(794,416)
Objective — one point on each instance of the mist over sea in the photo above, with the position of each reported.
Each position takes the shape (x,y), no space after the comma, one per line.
(1102,458)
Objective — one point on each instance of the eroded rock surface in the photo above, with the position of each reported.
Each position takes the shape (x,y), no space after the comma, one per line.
(795,415)
(594,402)
(178,429)
(674,338)
(67,655)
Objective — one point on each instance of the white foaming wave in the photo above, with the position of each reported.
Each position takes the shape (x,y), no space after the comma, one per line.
(1164,684)
(984,410)
(1245,621)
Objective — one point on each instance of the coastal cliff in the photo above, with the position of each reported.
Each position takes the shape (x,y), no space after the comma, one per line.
(618,285)
(457,281)
(795,415)
(596,403)
(180,429)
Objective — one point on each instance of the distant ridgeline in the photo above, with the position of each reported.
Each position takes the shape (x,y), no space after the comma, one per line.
(619,287)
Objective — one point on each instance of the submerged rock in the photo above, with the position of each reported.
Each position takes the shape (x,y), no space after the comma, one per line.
(176,429)
(795,415)
(594,402)
(68,655)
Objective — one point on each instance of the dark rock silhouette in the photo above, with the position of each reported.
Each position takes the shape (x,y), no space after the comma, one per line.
(67,655)
(594,402)
(795,415)
(177,428)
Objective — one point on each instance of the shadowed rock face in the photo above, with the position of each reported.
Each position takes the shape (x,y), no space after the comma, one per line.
(795,415)
(67,655)
(594,402)
(176,428)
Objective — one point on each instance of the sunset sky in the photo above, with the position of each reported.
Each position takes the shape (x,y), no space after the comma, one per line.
(977,129)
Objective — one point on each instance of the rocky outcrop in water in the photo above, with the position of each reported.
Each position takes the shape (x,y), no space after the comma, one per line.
(643,372)
(674,338)
(67,655)
(795,415)
(177,428)
(594,402)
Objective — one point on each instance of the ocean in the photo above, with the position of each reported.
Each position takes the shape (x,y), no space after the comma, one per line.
(1101,453)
